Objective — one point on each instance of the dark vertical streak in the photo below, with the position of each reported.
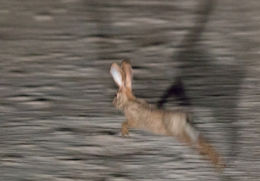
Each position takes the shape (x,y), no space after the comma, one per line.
(202,58)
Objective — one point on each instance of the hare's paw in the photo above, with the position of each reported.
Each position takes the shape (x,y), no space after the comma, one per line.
(124,129)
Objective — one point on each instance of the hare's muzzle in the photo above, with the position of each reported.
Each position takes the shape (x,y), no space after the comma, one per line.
(114,101)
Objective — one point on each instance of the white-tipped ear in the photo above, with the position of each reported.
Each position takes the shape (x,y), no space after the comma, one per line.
(116,73)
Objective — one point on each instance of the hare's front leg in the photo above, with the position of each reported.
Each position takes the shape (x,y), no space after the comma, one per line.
(124,128)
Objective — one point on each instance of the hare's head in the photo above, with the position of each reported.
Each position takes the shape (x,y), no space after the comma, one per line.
(123,78)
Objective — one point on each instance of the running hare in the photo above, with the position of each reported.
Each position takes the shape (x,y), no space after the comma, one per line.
(139,114)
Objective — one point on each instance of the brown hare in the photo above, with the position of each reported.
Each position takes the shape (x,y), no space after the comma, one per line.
(141,115)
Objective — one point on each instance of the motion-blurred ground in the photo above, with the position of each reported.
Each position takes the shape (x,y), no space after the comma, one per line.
(57,121)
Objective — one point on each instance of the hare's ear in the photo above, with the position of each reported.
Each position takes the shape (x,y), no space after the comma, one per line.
(117,74)
(127,69)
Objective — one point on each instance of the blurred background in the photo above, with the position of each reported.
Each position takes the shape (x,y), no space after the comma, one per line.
(57,121)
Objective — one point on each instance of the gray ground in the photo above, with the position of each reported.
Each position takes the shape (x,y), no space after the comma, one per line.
(57,121)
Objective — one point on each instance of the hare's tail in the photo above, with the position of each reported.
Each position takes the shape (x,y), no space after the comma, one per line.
(193,138)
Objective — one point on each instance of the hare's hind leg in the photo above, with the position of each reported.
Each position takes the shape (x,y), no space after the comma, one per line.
(124,128)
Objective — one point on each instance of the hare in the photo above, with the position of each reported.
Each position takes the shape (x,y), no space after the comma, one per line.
(141,115)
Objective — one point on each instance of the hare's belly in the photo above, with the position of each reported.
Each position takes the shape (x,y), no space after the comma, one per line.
(146,119)
(154,123)
(175,123)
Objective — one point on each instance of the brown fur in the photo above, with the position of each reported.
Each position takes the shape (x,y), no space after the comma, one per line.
(208,150)
(141,115)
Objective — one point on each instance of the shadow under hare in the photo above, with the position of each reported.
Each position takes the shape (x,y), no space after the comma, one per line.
(141,115)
